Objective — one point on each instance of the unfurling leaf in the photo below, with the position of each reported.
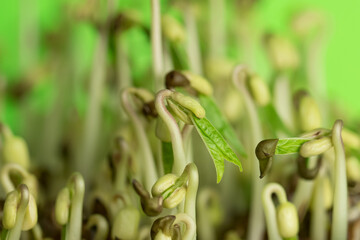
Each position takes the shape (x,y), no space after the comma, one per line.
(289,145)
(218,148)
(167,156)
(266,149)
(214,114)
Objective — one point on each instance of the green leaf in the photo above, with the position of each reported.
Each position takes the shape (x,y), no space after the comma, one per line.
(289,145)
(219,121)
(167,156)
(218,148)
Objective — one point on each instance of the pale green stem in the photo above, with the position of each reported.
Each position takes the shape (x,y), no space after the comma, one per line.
(160,164)
(205,229)
(187,140)
(269,208)
(315,70)
(217,28)
(190,224)
(340,210)
(156,44)
(256,220)
(318,214)
(6,182)
(122,69)
(37,232)
(52,132)
(77,188)
(314,61)
(193,184)
(303,191)
(180,160)
(283,101)
(121,173)
(87,153)
(102,226)
(15,232)
(246,37)
(192,43)
(147,164)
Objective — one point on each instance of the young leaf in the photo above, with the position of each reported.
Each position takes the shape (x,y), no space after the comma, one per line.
(266,149)
(289,145)
(167,156)
(214,114)
(218,148)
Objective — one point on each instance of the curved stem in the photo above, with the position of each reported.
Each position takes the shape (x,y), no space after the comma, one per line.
(269,209)
(5,175)
(156,43)
(77,188)
(147,160)
(15,232)
(193,183)
(180,160)
(340,211)
(190,223)
(102,226)
(256,222)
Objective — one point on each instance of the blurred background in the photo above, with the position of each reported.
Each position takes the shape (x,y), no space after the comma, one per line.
(34,33)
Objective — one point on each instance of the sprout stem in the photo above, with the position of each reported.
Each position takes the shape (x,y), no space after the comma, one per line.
(193,184)
(77,188)
(192,43)
(147,163)
(180,160)
(5,179)
(15,232)
(340,211)
(256,222)
(318,215)
(205,227)
(269,209)
(122,167)
(86,156)
(283,100)
(156,44)
(190,223)
(303,191)
(217,28)
(102,226)
(187,140)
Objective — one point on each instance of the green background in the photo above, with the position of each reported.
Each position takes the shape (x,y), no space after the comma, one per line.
(342,55)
